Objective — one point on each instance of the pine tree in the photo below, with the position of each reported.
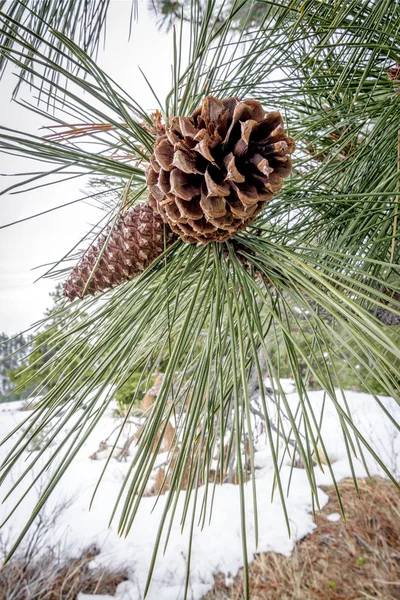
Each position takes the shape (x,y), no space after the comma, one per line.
(35,374)
(304,282)
(13,353)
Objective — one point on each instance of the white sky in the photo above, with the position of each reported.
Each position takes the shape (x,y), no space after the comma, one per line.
(45,239)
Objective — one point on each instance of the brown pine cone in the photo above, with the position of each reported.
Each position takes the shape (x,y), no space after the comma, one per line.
(137,239)
(213,172)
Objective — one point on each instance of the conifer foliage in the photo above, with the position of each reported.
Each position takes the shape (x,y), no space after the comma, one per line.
(297,273)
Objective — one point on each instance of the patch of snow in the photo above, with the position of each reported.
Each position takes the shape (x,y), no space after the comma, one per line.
(217,547)
(95,597)
(334,517)
(287,386)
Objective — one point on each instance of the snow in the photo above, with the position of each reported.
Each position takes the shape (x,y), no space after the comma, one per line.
(97,596)
(218,546)
(286,385)
(334,517)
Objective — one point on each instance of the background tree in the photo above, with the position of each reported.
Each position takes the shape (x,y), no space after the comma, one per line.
(302,286)
(247,14)
(35,374)
(13,353)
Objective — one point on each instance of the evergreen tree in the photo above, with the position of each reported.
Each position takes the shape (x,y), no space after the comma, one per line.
(13,355)
(36,374)
(305,283)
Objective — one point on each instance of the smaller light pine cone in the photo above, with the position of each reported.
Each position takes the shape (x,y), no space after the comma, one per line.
(137,239)
(213,172)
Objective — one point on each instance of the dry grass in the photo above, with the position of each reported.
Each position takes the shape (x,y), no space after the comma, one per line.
(48,579)
(354,560)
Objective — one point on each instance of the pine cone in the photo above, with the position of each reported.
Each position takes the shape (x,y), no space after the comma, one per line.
(213,172)
(136,241)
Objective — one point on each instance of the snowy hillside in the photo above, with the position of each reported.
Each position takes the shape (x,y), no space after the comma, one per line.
(216,548)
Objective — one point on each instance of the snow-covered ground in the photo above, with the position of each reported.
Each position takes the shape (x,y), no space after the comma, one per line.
(218,547)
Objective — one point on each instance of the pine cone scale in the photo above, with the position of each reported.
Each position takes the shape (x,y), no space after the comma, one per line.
(213,206)
(164,153)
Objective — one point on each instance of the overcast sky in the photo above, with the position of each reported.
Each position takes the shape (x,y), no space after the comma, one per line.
(28,245)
